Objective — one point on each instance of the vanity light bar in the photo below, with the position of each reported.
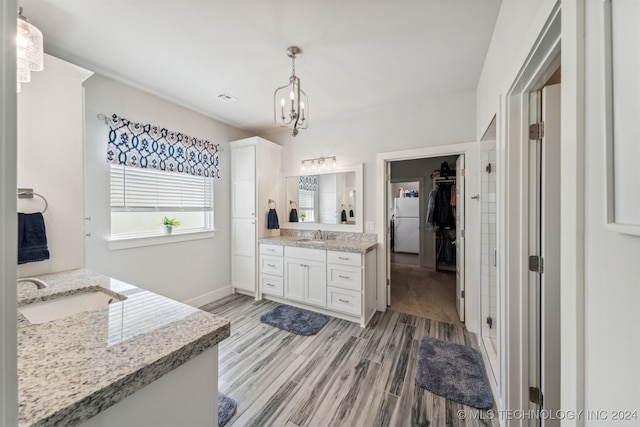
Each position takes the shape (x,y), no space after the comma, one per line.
(319,163)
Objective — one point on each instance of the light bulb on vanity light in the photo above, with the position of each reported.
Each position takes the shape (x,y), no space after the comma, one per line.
(304,166)
(313,165)
(333,164)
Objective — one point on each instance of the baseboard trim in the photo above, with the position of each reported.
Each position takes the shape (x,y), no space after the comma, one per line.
(210,297)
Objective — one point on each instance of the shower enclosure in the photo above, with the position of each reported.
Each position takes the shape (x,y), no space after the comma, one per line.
(489,258)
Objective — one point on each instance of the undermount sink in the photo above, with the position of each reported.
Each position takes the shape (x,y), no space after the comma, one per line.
(314,241)
(67,305)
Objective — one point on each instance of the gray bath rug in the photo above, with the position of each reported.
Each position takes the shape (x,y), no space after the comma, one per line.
(226,409)
(295,320)
(453,371)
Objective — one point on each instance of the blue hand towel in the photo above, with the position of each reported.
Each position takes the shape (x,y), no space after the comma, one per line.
(272,220)
(293,215)
(32,238)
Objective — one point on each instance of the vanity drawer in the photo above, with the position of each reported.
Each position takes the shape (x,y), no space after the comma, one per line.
(271,265)
(305,253)
(346,258)
(345,277)
(345,301)
(272,285)
(271,249)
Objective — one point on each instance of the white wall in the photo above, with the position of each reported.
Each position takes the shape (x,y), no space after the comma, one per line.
(359,138)
(50,118)
(600,296)
(517,28)
(194,271)
(612,260)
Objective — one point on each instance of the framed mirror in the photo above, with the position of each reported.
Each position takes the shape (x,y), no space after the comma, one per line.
(327,200)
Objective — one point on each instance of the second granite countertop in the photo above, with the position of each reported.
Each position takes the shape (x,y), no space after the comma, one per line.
(356,246)
(72,368)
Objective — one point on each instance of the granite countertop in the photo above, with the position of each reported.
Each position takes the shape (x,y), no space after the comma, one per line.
(357,246)
(72,368)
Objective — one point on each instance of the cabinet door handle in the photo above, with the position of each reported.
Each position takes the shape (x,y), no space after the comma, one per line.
(343,258)
(271,250)
(343,277)
(271,265)
(304,265)
(270,284)
(343,300)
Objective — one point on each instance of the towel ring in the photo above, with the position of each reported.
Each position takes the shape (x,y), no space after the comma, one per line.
(274,204)
(295,205)
(28,193)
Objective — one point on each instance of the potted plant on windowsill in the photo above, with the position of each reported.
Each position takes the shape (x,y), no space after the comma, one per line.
(169,223)
(302,216)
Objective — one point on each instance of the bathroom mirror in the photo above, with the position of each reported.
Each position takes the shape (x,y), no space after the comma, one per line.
(326,200)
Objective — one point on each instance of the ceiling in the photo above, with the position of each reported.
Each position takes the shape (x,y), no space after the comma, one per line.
(357,54)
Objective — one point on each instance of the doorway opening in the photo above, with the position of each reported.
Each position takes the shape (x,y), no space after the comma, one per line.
(421,206)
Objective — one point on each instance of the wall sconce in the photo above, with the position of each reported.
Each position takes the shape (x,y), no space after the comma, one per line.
(321,163)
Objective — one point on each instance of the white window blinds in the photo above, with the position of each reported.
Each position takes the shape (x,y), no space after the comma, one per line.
(135,189)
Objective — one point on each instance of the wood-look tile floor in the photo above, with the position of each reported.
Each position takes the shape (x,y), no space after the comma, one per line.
(343,376)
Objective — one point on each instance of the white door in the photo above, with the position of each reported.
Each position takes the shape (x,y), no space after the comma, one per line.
(550,245)
(460,236)
(243,170)
(295,276)
(389,198)
(544,275)
(316,283)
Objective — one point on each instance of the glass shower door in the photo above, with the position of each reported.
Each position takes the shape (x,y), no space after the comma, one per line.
(489,276)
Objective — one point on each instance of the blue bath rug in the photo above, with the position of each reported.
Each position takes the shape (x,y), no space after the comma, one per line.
(453,371)
(295,320)
(226,409)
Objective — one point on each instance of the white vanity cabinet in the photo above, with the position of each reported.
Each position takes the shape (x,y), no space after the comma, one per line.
(305,278)
(255,166)
(337,283)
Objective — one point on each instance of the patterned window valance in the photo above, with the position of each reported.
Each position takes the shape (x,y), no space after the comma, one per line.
(149,146)
(309,182)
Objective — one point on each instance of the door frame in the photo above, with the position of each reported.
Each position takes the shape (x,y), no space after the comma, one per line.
(514,207)
(8,217)
(472,221)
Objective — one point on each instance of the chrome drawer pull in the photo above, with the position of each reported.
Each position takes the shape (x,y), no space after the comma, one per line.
(343,258)
(271,265)
(272,285)
(343,277)
(271,250)
(343,300)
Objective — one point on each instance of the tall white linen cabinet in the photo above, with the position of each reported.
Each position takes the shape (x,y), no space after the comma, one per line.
(255,179)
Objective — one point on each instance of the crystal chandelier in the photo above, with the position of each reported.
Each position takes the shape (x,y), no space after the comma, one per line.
(290,105)
(29,50)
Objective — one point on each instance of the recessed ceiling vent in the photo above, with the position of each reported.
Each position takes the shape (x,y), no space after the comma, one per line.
(225,97)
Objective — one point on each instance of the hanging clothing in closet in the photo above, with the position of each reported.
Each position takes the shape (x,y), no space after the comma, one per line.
(442,215)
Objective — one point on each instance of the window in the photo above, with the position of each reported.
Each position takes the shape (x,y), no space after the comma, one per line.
(140,198)
(307,205)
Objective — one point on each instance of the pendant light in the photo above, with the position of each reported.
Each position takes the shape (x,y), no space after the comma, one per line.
(29,50)
(290,104)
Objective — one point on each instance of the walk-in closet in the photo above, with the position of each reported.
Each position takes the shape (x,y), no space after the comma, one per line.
(422,211)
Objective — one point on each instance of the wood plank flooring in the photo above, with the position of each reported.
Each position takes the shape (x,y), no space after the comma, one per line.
(343,376)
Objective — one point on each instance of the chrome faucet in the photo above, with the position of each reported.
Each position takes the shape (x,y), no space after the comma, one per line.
(41,284)
(319,234)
